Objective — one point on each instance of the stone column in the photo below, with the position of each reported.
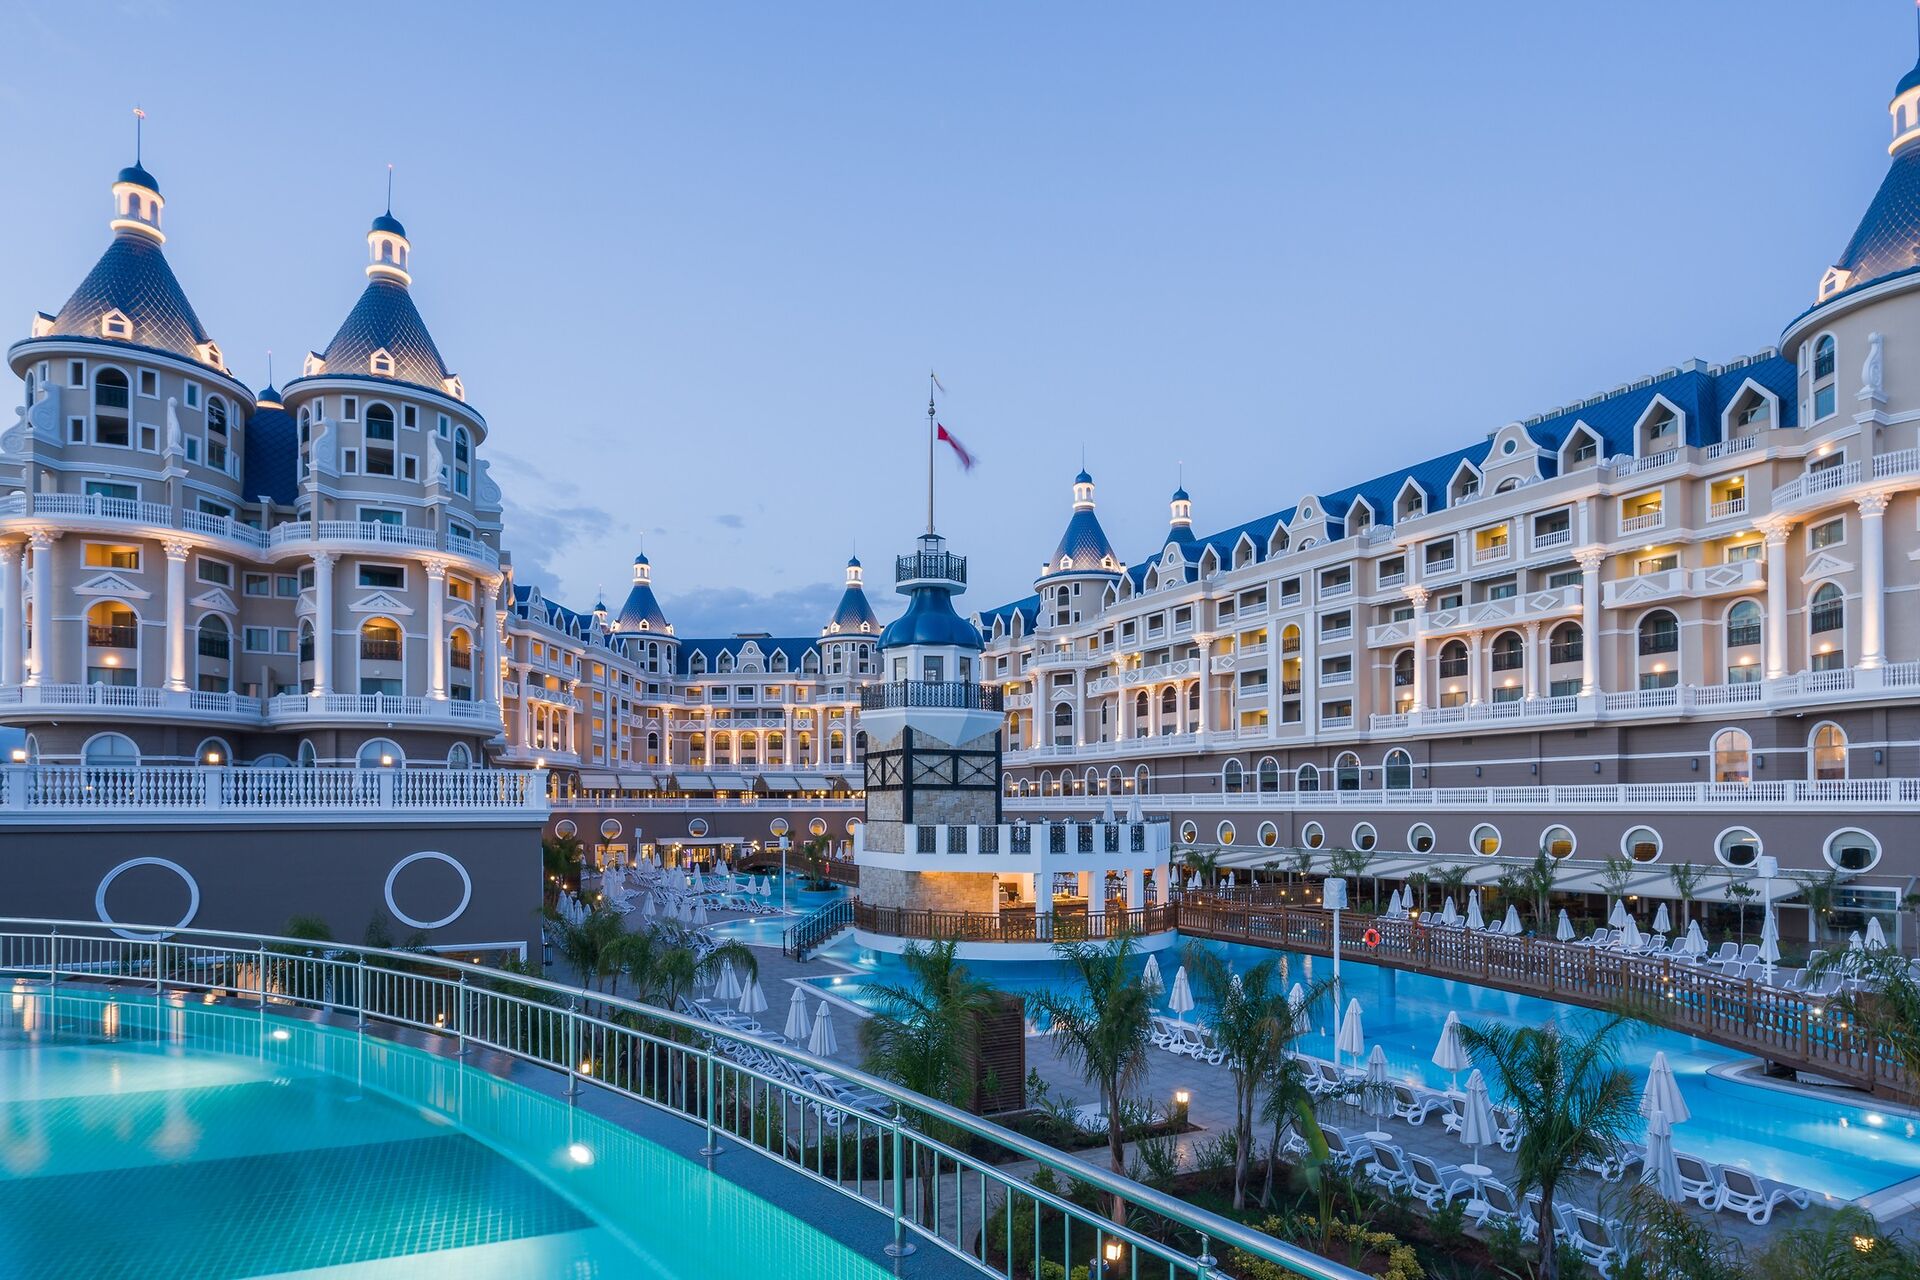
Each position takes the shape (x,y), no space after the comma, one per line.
(1590,562)
(41,541)
(1136,889)
(1873,580)
(1476,669)
(322,622)
(436,630)
(1206,684)
(1534,661)
(177,553)
(492,625)
(521,674)
(13,607)
(1124,711)
(1775,654)
(1419,596)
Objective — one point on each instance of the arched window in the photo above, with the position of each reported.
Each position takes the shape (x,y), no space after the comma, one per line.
(380,753)
(1825,385)
(1193,697)
(1732,756)
(1142,707)
(1743,624)
(110,408)
(1509,652)
(1169,706)
(1306,778)
(1398,771)
(110,751)
(724,662)
(1566,644)
(379,440)
(1112,784)
(1403,669)
(459,756)
(1142,780)
(1659,633)
(1268,777)
(697,664)
(111,625)
(215,649)
(1233,777)
(306,640)
(380,640)
(1453,660)
(1063,724)
(1828,611)
(306,757)
(1346,772)
(1829,753)
(460,655)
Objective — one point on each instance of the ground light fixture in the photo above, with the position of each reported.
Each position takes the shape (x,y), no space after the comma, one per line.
(580,1153)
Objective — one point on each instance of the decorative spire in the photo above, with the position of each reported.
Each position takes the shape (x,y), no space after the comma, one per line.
(388,249)
(137,205)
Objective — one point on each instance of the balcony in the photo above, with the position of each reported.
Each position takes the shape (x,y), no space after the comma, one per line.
(1668,584)
(1335,590)
(379,650)
(1727,508)
(1644,521)
(127,701)
(1546,539)
(1344,632)
(319,708)
(951,695)
(116,635)
(1493,552)
(1622,465)
(1533,606)
(1162,671)
(305,535)
(83,792)
(930,566)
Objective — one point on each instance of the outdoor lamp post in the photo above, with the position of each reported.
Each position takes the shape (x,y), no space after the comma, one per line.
(1333,896)
(784,843)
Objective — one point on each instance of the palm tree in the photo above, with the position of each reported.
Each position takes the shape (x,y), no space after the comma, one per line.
(1886,1004)
(1820,892)
(925,1036)
(1616,873)
(592,947)
(1418,882)
(1103,1029)
(1204,863)
(663,962)
(1686,877)
(560,858)
(1255,1024)
(1573,1100)
(1452,879)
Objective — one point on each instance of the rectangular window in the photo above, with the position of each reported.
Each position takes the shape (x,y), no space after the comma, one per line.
(349,408)
(1659,679)
(103,555)
(1830,534)
(373,684)
(1453,698)
(381,515)
(217,572)
(283,639)
(1333,626)
(1336,670)
(286,586)
(1656,564)
(76,373)
(1503,590)
(193,395)
(1827,462)
(389,576)
(1392,570)
(256,584)
(76,430)
(119,677)
(1563,578)
(1564,689)
(1509,693)
(1824,401)
(256,639)
(350,462)
(1439,555)
(1336,581)
(1743,552)
(409,417)
(149,384)
(149,438)
(1746,673)
(1832,660)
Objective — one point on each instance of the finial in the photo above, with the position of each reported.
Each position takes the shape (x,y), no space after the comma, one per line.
(389,190)
(269,366)
(139,117)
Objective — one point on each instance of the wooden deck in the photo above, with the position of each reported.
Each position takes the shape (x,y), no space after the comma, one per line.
(1778,1026)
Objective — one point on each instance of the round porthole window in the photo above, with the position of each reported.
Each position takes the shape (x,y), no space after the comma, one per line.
(1737,847)
(1365,838)
(1224,833)
(697,827)
(611,829)
(1485,839)
(1557,842)
(1189,833)
(1642,844)
(1269,835)
(1313,835)
(1852,850)
(1420,838)
(817,827)
(778,826)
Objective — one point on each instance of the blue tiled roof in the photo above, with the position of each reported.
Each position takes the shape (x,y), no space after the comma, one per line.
(133,277)
(641,612)
(1084,546)
(388,223)
(796,649)
(552,612)
(136,174)
(1028,609)
(1887,241)
(272,456)
(1702,395)
(854,614)
(385,318)
(930,619)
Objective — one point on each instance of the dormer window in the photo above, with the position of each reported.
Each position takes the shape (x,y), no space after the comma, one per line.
(1662,429)
(454,387)
(115,324)
(1412,503)
(1825,388)
(1755,412)
(1583,449)
(380,364)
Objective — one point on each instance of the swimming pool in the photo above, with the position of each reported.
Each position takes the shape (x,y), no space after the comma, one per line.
(1841,1150)
(766,931)
(175,1139)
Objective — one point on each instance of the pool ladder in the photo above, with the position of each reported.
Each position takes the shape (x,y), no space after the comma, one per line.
(814,930)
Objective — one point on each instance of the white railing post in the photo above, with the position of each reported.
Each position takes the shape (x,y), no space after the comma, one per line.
(386,785)
(573,1052)
(900,1248)
(712,1101)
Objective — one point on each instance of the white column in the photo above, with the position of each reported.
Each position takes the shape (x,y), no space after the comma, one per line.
(1873,580)
(1776,563)
(41,541)
(1590,562)
(436,630)
(525,734)
(1476,669)
(492,623)
(1534,662)
(322,623)
(13,605)
(177,553)
(1136,889)
(1124,711)
(1206,684)
(1419,596)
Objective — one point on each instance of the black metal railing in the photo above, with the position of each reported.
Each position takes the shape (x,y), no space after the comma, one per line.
(811,931)
(380,650)
(215,646)
(113,635)
(940,566)
(960,695)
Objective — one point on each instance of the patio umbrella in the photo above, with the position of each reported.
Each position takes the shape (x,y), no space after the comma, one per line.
(684,911)
(1564,930)
(1511,925)
(1393,905)
(647,909)
(1353,1037)
(1695,943)
(1662,1093)
(1134,811)
(1193,882)
(1661,922)
(1618,916)
(1476,1123)
(796,1030)
(1630,939)
(1662,1170)
(1474,919)
(766,887)
(727,985)
(1770,940)
(1106,810)
(753,999)
(1451,1055)
(700,911)
(1377,1098)
(822,1044)
(1448,915)
(1150,976)
(1180,999)
(1876,936)
(1297,1005)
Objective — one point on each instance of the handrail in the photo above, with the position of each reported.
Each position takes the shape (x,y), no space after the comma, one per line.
(467,1002)
(1038,926)
(815,928)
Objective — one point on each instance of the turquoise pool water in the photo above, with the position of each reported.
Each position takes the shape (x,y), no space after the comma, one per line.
(765,931)
(1839,1150)
(184,1141)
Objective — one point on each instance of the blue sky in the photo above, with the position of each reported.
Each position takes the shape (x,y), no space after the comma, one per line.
(694,261)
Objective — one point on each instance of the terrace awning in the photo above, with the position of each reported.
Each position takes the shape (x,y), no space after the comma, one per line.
(639,782)
(600,781)
(693,782)
(780,782)
(730,782)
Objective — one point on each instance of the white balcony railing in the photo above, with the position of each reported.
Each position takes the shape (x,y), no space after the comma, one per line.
(1727,508)
(30,790)
(1863,793)
(1644,521)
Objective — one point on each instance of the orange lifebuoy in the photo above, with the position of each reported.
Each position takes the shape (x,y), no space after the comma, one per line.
(1371,937)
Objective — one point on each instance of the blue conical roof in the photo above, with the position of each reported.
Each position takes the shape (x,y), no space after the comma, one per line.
(133,278)
(854,614)
(385,319)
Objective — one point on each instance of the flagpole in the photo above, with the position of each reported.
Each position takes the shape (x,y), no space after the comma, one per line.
(930,435)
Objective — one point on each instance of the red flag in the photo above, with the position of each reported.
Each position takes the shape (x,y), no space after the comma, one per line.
(959,450)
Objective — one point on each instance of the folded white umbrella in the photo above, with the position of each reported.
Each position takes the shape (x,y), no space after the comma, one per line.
(766,887)
(1150,976)
(1770,940)
(1876,936)
(1662,1170)
(647,909)
(1511,925)
(1376,1099)
(1474,919)
(1297,1003)
(1564,930)
(1353,1037)
(1662,923)
(1477,1128)
(1853,939)
(700,911)
(822,1044)
(1618,916)
(727,985)
(1450,1055)
(1630,939)
(1448,914)
(1695,943)
(753,999)
(797,1030)
(1663,1092)
(1180,999)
